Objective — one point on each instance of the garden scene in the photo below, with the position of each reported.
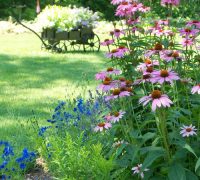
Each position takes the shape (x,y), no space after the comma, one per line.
(104,89)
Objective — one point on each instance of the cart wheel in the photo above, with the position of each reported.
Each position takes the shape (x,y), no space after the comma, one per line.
(59,50)
(47,46)
(62,46)
(55,47)
(72,45)
(92,44)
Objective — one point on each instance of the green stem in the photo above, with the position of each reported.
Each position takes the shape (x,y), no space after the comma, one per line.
(162,126)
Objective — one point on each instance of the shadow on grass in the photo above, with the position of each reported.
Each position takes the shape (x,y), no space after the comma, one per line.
(30,82)
(37,71)
(36,83)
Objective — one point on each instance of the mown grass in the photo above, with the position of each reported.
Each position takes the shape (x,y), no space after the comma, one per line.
(32,81)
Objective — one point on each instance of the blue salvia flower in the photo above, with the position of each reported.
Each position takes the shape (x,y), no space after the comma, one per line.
(3,177)
(51,121)
(96,105)
(67,116)
(60,106)
(22,166)
(80,105)
(25,158)
(7,152)
(3,165)
(42,130)
(85,113)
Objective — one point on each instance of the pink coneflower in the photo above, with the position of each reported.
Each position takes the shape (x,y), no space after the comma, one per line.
(162,32)
(148,70)
(100,75)
(169,55)
(128,83)
(134,29)
(117,116)
(196,89)
(159,32)
(111,70)
(138,7)
(186,80)
(132,21)
(187,42)
(137,170)
(123,49)
(115,53)
(187,131)
(116,2)
(158,47)
(194,23)
(169,33)
(144,9)
(108,118)
(170,2)
(145,78)
(107,42)
(158,100)
(117,144)
(156,26)
(163,22)
(118,33)
(122,82)
(188,32)
(106,86)
(124,6)
(147,63)
(122,13)
(102,126)
(116,93)
(127,9)
(164,76)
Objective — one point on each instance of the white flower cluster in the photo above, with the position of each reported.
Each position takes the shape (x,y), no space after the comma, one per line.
(67,18)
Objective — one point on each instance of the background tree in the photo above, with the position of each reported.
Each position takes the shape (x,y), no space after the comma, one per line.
(103,6)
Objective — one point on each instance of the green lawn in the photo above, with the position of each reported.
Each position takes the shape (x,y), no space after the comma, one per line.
(32,80)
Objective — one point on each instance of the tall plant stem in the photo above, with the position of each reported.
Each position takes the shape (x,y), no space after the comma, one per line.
(162,126)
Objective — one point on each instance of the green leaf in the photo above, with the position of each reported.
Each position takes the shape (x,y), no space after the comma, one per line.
(148,136)
(189,148)
(144,150)
(190,175)
(151,157)
(197,164)
(177,172)
(185,111)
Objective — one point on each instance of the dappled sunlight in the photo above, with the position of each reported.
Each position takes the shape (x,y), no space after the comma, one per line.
(33,81)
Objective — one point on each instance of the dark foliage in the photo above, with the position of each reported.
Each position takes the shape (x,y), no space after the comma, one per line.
(188,8)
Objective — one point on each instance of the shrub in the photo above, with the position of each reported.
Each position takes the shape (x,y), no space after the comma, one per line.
(66,18)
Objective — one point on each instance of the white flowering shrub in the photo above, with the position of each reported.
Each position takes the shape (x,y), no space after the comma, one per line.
(67,18)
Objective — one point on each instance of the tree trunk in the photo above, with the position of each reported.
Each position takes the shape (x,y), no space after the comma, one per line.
(38,6)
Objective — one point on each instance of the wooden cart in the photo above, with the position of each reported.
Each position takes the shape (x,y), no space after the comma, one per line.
(74,40)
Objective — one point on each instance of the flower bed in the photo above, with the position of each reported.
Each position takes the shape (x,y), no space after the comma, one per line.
(143,122)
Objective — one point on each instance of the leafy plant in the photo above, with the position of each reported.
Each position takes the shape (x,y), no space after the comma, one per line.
(67,18)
